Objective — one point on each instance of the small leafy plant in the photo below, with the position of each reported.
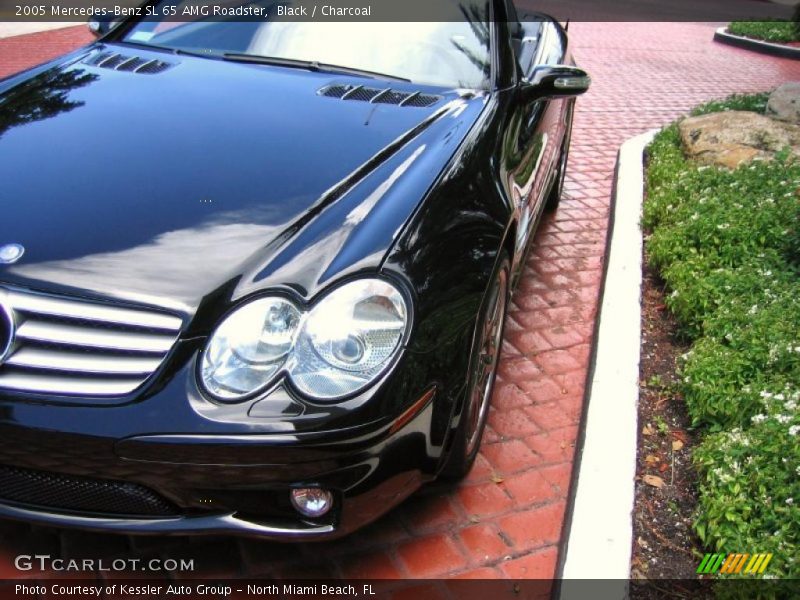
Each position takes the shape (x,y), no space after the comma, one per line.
(752,102)
(727,244)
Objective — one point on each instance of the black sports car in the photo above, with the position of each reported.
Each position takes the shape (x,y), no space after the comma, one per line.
(253,274)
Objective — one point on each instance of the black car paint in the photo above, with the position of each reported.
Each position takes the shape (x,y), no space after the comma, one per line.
(439,193)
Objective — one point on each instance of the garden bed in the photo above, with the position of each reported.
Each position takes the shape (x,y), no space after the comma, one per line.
(719,454)
(776,38)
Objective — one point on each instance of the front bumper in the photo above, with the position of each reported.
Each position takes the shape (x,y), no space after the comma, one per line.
(246,491)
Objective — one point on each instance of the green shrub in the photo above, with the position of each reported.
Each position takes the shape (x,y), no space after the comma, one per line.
(726,243)
(779,31)
(726,369)
(750,484)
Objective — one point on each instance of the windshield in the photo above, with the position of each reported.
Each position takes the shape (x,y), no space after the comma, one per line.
(451,54)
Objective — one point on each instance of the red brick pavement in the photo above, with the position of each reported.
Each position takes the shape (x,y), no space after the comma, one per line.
(506,519)
(25,51)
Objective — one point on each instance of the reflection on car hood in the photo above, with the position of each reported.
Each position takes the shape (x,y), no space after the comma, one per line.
(208,177)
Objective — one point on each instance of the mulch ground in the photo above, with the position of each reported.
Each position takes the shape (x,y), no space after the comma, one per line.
(664,546)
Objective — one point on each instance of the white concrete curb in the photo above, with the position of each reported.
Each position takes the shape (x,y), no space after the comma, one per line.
(600,537)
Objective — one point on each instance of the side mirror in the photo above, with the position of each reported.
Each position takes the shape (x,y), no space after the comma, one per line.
(555,81)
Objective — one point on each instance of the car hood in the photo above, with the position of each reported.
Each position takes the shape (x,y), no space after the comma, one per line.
(209,179)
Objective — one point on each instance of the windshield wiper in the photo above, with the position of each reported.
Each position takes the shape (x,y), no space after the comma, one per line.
(179,51)
(310,65)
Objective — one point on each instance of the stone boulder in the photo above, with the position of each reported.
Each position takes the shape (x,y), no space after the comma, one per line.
(728,139)
(784,102)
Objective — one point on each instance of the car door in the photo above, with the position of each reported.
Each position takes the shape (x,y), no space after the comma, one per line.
(533,136)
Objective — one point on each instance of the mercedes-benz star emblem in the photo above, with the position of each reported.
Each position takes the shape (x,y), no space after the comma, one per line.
(6,333)
(11,253)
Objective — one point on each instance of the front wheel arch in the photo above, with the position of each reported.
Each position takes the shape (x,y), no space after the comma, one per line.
(467,426)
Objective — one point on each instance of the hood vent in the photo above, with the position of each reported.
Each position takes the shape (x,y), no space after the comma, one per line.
(121,62)
(379,96)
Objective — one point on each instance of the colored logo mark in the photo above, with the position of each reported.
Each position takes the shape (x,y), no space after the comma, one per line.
(733,564)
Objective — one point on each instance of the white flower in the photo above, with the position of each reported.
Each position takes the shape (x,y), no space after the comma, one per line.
(753,309)
(765,395)
(790,501)
(759,419)
(794,429)
(783,419)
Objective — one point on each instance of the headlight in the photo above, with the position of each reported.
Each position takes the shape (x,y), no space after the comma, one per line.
(250,347)
(348,338)
(337,348)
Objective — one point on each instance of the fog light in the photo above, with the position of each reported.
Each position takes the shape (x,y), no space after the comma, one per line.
(312,502)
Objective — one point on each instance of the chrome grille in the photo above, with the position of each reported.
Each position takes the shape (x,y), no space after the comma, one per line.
(71,347)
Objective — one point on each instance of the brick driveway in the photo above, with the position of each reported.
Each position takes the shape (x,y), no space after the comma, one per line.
(506,519)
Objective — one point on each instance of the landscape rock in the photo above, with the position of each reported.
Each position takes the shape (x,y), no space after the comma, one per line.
(729,139)
(784,102)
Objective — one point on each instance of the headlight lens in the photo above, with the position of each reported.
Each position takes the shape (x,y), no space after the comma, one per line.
(337,348)
(348,339)
(249,347)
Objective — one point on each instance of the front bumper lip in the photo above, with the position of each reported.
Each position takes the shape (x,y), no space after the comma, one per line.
(227,523)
